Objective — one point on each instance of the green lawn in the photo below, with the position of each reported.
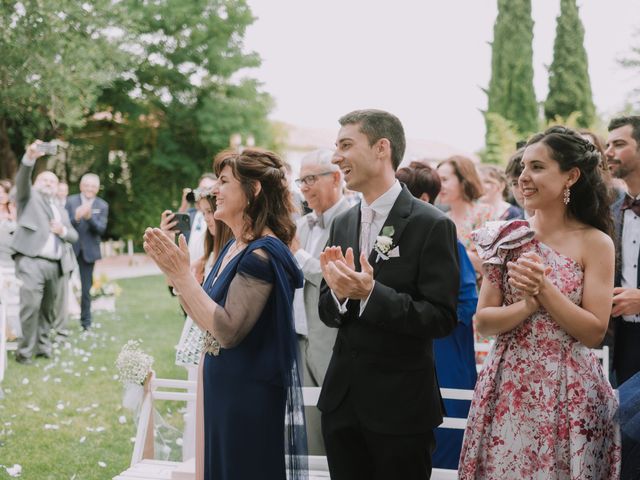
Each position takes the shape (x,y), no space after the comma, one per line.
(59,418)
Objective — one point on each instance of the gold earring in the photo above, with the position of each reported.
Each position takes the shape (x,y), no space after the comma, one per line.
(567,195)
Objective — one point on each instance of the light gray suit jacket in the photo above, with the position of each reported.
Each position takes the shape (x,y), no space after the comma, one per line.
(320,337)
(34,216)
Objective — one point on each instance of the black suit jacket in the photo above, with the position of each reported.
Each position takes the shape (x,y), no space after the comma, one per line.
(616,212)
(618,221)
(89,231)
(384,358)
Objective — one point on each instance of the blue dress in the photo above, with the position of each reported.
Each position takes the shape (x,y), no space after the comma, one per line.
(248,389)
(456,365)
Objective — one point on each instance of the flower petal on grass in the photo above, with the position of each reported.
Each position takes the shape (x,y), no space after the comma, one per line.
(14,471)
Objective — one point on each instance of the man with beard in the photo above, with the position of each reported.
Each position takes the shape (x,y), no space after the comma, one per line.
(38,252)
(623,156)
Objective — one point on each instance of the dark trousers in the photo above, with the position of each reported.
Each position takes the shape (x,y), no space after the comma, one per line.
(86,280)
(354,452)
(626,351)
(630,459)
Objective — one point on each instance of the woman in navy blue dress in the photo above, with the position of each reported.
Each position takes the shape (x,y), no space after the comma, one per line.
(249,395)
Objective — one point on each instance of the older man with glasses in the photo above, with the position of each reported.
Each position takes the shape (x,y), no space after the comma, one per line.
(321,185)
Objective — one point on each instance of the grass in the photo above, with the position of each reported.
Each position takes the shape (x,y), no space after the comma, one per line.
(59,418)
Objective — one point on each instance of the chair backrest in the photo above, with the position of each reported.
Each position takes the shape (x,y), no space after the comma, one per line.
(157,389)
(311,395)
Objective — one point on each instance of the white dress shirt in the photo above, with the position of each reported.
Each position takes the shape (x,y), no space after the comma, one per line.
(52,249)
(382,207)
(630,249)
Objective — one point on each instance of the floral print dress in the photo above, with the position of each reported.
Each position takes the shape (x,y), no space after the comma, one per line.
(542,408)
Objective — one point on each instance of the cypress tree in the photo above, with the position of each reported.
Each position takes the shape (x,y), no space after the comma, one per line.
(569,84)
(511,94)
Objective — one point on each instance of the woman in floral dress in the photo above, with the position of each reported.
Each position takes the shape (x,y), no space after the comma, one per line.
(542,408)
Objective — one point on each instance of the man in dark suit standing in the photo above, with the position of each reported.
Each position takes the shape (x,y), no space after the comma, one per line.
(623,157)
(89,214)
(39,254)
(390,285)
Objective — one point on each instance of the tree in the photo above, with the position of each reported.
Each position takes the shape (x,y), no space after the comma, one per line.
(56,57)
(501,141)
(632,62)
(511,94)
(569,83)
(175,109)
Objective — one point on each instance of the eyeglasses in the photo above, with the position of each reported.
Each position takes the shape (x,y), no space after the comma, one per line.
(310,179)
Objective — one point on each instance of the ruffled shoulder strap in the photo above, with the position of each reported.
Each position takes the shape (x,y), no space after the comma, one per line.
(494,241)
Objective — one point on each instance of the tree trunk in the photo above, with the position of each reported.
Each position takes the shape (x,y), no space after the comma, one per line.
(8,164)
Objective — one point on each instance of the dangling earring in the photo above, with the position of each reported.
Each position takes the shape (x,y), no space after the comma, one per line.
(567,195)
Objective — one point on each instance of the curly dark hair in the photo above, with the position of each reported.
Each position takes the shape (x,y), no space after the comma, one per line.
(590,197)
(272,207)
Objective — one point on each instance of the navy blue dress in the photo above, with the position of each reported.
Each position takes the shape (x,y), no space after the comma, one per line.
(248,388)
(456,364)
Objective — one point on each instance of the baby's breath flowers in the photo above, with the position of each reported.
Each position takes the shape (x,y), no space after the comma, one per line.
(133,363)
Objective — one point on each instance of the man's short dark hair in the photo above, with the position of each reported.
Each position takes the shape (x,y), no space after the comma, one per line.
(633,120)
(377,124)
(514,165)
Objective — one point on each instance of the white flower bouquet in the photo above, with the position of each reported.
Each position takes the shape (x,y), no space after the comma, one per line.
(134,366)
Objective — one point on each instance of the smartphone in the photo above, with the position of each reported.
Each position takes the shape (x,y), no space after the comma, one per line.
(184,223)
(47,148)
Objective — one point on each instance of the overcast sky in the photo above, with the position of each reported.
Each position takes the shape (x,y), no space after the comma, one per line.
(423,60)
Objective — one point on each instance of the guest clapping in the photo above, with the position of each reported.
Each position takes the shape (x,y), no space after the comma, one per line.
(542,406)
(249,372)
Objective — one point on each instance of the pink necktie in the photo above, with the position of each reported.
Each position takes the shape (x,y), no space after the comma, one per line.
(366,217)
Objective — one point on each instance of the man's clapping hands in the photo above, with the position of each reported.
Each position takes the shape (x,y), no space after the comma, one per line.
(340,274)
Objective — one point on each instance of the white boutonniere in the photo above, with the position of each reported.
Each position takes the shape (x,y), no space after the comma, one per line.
(383,244)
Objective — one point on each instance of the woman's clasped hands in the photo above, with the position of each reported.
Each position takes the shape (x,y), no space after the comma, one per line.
(528,274)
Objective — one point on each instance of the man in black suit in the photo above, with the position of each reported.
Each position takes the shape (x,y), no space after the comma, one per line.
(89,214)
(390,285)
(623,157)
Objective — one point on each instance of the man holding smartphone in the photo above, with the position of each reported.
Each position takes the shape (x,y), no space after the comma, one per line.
(89,214)
(38,253)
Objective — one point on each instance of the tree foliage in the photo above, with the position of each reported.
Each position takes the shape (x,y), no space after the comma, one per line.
(511,94)
(569,83)
(155,122)
(501,141)
(56,56)
(632,62)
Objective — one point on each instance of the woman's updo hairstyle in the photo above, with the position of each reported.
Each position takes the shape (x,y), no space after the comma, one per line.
(590,197)
(272,206)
